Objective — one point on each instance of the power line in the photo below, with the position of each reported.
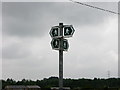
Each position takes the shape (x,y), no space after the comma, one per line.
(96,7)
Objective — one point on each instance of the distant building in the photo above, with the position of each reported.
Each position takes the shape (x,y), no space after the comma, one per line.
(34,87)
(57,88)
(15,87)
(22,87)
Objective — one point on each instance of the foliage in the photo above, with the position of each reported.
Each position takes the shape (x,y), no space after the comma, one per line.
(72,83)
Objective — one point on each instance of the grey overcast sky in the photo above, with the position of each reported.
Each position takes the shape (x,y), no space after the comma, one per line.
(26,49)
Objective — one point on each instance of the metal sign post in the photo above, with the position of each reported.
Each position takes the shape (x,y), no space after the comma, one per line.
(58,33)
(61,58)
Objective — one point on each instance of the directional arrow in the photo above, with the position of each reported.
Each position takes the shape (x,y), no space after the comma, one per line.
(68,31)
(65,45)
(55,32)
(55,43)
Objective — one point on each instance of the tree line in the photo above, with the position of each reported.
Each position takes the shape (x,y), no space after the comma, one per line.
(72,83)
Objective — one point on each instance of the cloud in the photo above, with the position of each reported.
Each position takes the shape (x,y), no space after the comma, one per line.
(94,50)
(27,52)
(34,19)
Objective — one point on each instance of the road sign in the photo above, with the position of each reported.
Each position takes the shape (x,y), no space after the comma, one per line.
(55,32)
(65,45)
(58,33)
(68,31)
(55,43)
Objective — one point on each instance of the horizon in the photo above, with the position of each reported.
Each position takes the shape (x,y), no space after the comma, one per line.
(63,78)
